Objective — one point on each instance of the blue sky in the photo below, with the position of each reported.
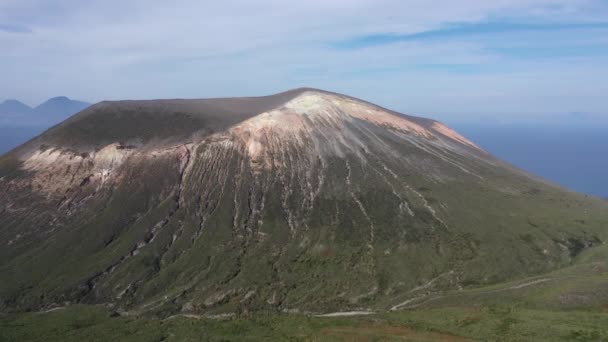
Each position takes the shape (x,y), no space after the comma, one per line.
(465,60)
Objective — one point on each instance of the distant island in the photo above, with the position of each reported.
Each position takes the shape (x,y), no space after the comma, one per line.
(50,112)
(20,122)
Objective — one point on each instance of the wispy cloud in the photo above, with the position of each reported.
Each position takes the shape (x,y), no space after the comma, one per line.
(14,28)
(460,31)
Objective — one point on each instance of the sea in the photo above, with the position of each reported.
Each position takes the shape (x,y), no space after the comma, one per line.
(573,155)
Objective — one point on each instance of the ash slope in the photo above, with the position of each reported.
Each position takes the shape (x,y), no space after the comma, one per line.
(305,200)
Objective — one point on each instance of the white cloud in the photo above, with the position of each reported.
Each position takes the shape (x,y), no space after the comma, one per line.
(94,50)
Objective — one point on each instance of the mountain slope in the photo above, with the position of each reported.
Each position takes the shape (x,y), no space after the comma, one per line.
(304,200)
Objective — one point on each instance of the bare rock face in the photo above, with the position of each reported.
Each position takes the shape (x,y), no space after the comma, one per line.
(301,201)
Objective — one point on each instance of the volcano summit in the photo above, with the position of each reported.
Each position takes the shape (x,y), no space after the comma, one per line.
(304,201)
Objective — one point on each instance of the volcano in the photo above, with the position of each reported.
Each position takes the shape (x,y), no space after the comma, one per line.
(305,201)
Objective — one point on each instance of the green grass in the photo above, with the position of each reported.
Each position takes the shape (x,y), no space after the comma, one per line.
(503,312)
(494,322)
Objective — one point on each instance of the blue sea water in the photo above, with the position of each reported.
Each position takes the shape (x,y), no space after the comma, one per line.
(13,136)
(574,155)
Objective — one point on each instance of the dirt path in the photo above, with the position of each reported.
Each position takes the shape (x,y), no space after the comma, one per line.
(52,309)
(430,297)
(194,316)
(403,304)
(346,313)
(530,283)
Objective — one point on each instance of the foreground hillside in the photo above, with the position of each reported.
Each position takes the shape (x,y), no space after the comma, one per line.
(305,201)
(566,305)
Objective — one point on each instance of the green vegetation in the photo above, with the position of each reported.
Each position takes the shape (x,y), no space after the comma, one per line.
(502,323)
(525,310)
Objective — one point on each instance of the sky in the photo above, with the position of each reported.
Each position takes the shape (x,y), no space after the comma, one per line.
(467,60)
